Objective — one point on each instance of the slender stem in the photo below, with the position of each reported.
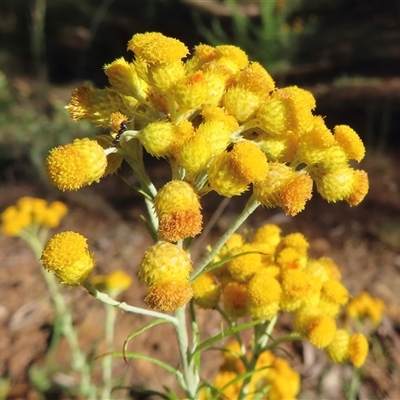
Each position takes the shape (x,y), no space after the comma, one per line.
(106,299)
(111,313)
(250,207)
(190,376)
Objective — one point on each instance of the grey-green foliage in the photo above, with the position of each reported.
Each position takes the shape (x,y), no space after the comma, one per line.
(271,41)
(26,131)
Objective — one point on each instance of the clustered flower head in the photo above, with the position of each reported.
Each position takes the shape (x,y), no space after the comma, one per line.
(273,376)
(364,305)
(31,212)
(221,123)
(273,273)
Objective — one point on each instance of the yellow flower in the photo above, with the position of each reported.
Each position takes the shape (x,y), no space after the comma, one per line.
(358,349)
(75,165)
(264,293)
(249,161)
(123,77)
(283,187)
(97,105)
(235,299)
(244,266)
(224,178)
(162,262)
(315,326)
(113,283)
(67,256)
(206,291)
(178,209)
(156,49)
(191,92)
(158,138)
(268,234)
(13,221)
(333,296)
(350,142)
(338,349)
(53,214)
(224,382)
(298,290)
(364,305)
(169,295)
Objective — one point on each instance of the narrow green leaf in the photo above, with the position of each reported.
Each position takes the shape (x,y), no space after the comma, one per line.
(138,332)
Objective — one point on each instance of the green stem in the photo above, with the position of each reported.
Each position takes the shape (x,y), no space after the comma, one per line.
(190,377)
(111,313)
(250,207)
(106,299)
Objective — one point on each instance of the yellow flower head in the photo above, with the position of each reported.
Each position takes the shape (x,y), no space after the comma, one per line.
(315,326)
(53,214)
(232,57)
(114,283)
(67,256)
(338,349)
(350,142)
(286,109)
(268,234)
(333,296)
(299,290)
(364,305)
(224,382)
(13,221)
(157,49)
(243,266)
(206,291)
(164,262)
(75,165)
(191,92)
(123,77)
(29,211)
(324,269)
(249,161)
(178,209)
(224,178)
(295,241)
(360,188)
(264,293)
(358,349)
(169,295)
(235,299)
(97,105)
(158,138)
(285,382)
(283,187)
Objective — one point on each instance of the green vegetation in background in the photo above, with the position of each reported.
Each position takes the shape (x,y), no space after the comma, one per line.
(27,132)
(272,41)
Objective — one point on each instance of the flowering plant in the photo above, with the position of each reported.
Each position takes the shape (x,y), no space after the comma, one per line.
(223,126)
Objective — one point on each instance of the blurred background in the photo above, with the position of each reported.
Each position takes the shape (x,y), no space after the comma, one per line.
(346,52)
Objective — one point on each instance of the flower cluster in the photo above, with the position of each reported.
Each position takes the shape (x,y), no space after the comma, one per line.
(273,273)
(220,122)
(273,376)
(30,211)
(364,305)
